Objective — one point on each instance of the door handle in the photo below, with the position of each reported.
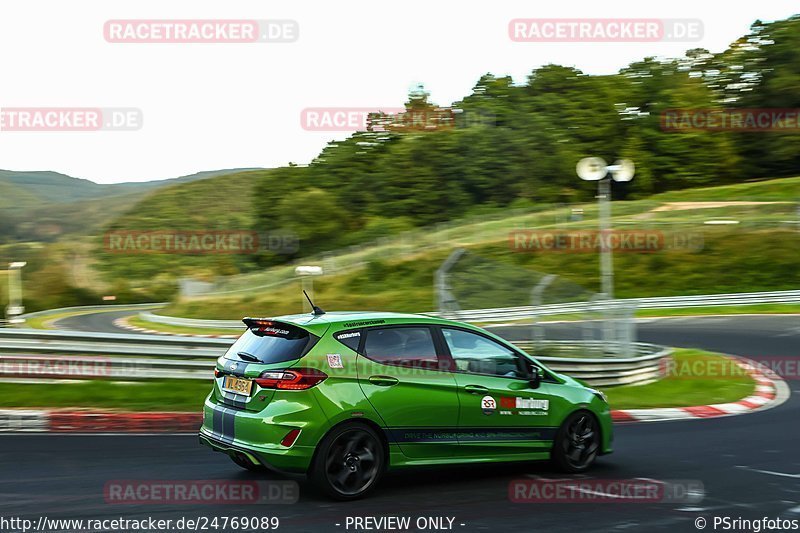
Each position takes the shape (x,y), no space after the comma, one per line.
(476,389)
(383,381)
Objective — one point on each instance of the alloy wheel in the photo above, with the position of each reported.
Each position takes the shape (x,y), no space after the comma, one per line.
(352,464)
(581,443)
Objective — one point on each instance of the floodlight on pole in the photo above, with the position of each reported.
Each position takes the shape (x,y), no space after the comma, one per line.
(622,170)
(591,168)
(595,169)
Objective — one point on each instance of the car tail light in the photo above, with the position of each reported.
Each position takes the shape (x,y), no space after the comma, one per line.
(218,373)
(294,379)
(290,437)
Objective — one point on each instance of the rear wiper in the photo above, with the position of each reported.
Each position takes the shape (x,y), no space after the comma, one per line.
(248,356)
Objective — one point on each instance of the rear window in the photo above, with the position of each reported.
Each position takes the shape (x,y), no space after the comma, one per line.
(272,343)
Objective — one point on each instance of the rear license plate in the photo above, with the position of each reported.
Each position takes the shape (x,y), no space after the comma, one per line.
(237,385)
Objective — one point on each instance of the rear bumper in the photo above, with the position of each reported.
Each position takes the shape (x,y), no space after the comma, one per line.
(258,434)
(291,460)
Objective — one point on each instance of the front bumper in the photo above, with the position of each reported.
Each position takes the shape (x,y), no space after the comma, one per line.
(606,432)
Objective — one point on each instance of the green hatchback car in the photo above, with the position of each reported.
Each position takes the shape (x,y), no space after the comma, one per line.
(344,396)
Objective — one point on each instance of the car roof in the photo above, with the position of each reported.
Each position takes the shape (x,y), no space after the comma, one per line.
(342,320)
(355,319)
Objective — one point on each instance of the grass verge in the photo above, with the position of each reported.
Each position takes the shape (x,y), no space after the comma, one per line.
(168,395)
(166,328)
(759,309)
(493,275)
(698,378)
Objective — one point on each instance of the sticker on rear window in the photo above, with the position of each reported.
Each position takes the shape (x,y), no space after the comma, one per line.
(335,360)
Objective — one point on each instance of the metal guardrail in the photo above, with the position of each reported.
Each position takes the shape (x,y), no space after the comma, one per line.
(160,356)
(518,313)
(187,357)
(664,302)
(190,322)
(114,368)
(601,372)
(113,344)
(645,367)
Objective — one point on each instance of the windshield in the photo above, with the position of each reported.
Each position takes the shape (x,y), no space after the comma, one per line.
(272,344)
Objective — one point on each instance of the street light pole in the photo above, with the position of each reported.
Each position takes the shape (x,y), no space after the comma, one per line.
(595,169)
(306,272)
(15,307)
(606,254)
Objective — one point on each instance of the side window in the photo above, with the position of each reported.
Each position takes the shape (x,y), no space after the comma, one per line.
(477,354)
(402,346)
(351,339)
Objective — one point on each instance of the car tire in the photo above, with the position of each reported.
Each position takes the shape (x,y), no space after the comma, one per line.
(242,460)
(349,462)
(577,442)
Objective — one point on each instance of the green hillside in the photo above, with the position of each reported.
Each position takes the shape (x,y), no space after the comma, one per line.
(46,206)
(13,196)
(53,187)
(217,203)
(49,187)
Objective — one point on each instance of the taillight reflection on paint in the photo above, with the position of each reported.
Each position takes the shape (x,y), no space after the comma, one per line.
(294,379)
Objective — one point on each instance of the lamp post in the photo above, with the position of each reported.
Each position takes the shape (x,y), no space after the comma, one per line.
(15,307)
(306,272)
(595,169)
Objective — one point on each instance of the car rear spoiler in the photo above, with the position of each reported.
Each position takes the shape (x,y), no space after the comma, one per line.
(275,328)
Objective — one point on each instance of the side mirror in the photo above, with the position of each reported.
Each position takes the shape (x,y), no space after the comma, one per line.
(535,378)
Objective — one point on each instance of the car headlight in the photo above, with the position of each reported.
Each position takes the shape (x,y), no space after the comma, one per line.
(599,394)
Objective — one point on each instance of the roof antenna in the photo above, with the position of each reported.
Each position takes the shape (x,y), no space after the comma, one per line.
(316,311)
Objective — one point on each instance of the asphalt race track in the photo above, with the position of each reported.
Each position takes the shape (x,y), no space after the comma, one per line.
(748,464)
(101,321)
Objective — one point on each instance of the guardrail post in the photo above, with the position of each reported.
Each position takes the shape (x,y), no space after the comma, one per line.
(446,302)
(537,330)
(629,328)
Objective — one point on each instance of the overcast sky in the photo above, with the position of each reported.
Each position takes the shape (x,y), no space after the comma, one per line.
(221,105)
